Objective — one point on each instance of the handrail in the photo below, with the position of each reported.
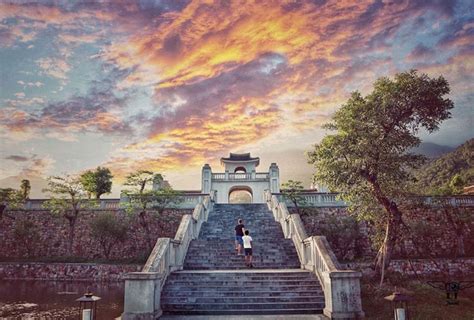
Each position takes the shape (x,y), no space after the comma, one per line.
(341,287)
(167,256)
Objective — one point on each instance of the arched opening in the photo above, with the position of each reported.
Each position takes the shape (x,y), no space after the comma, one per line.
(240,194)
(240,170)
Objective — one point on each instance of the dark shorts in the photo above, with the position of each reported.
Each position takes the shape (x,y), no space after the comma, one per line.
(239,239)
(248,251)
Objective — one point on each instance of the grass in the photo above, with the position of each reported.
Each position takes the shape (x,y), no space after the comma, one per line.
(428,303)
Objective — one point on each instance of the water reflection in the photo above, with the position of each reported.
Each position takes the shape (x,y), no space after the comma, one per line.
(61,295)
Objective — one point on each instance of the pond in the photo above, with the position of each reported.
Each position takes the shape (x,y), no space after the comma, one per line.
(56,299)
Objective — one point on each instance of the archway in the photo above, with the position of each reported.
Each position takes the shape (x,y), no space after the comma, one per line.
(240,170)
(240,194)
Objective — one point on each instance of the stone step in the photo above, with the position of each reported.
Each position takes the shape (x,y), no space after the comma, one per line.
(316,299)
(260,294)
(273,311)
(237,276)
(235,267)
(243,282)
(268,306)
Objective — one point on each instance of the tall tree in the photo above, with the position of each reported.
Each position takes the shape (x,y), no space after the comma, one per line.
(292,190)
(25,188)
(68,200)
(367,157)
(97,182)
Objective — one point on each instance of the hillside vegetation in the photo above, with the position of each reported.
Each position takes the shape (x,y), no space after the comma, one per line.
(449,173)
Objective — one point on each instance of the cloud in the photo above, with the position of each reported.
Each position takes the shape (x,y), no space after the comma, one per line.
(30,166)
(54,67)
(17,158)
(207,66)
(96,112)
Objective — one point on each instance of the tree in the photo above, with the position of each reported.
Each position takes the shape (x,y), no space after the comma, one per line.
(97,182)
(26,235)
(140,197)
(25,188)
(108,230)
(368,159)
(292,190)
(10,199)
(68,200)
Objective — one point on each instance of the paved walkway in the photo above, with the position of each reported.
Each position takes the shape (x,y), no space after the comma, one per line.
(250,317)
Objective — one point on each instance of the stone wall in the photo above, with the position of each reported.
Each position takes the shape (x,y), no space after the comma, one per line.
(65,271)
(458,268)
(53,234)
(431,234)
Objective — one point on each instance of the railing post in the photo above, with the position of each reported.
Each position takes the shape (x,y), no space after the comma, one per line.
(342,294)
(142,296)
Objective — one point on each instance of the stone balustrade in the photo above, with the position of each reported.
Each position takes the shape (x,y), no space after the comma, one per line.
(341,287)
(252,176)
(143,289)
(322,199)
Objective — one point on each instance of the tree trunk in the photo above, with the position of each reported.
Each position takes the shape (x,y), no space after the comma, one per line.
(146,228)
(72,229)
(393,223)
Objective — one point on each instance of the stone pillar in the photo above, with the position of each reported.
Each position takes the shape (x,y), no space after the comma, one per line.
(206,180)
(342,295)
(274,173)
(142,296)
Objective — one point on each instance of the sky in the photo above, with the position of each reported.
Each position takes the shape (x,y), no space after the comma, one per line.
(171,85)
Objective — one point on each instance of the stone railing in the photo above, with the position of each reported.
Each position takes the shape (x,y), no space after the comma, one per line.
(143,289)
(252,176)
(321,199)
(315,199)
(341,287)
(187,200)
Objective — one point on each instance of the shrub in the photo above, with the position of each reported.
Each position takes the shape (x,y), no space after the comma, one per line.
(108,230)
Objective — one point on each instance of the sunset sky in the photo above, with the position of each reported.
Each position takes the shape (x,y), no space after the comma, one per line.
(170,85)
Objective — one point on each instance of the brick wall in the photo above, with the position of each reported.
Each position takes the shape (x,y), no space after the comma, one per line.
(431,235)
(53,235)
(65,271)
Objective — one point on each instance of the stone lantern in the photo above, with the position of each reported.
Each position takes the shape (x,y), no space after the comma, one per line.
(399,305)
(88,306)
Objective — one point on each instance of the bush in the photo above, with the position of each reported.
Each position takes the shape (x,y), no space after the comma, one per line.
(344,236)
(26,234)
(108,230)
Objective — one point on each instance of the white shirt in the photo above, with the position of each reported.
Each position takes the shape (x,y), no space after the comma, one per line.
(247,240)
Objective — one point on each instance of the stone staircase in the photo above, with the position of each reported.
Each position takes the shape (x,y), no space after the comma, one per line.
(216,281)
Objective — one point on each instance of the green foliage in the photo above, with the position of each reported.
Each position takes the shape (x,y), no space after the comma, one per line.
(141,179)
(10,199)
(68,199)
(141,198)
(27,235)
(97,182)
(25,188)
(292,190)
(108,230)
(68,196)
(436,177)
(343,234)
(165,198)
(367,157)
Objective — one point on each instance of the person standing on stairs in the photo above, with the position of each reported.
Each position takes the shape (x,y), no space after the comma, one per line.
(247,239)
(239,233)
